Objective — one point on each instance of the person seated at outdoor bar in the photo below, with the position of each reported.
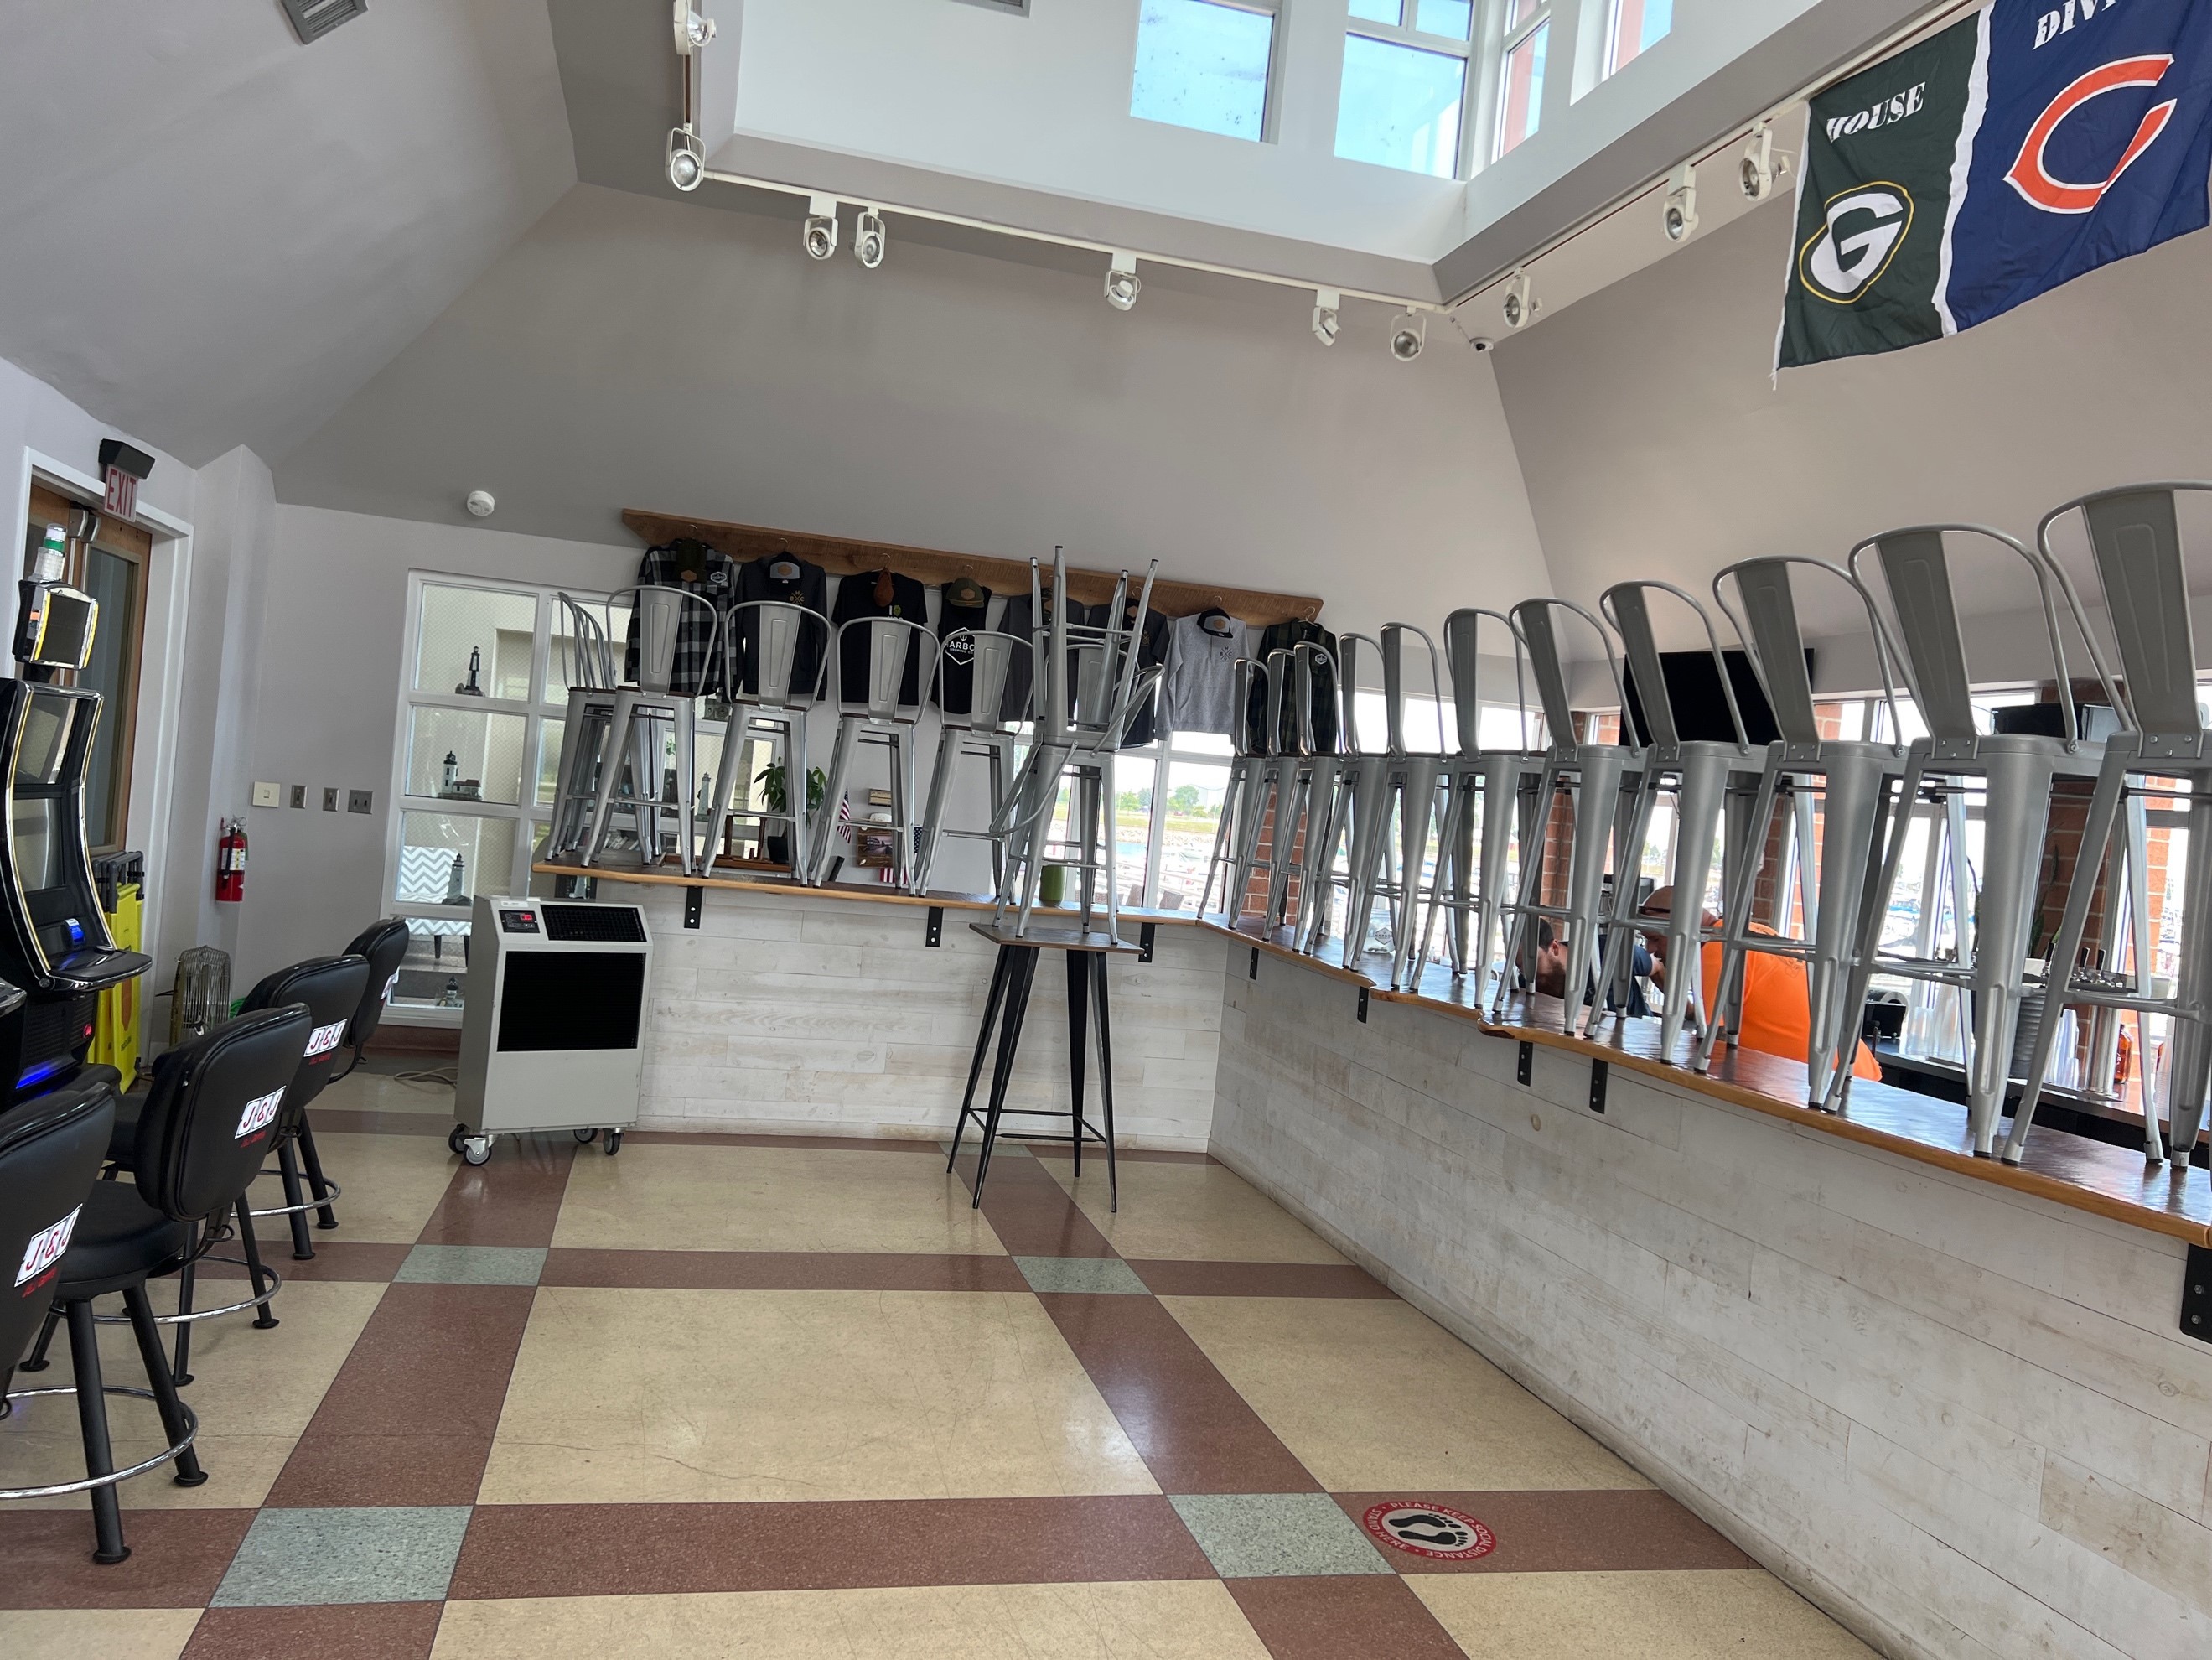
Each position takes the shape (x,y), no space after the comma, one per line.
(1552,970)
(1777,1017)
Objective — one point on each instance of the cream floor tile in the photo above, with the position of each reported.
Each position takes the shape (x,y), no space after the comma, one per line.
(254,1392)
(1374,1395)
(1175,1619)
(1695,1615)
(636,1395)
(676,1198)
(392,1183)
(105,1633)
(380,1091)
(1201,1213)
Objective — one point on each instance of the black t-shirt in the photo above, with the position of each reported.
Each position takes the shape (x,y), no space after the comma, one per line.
(803,585)
(1281,636)
(956,691)
(856,597)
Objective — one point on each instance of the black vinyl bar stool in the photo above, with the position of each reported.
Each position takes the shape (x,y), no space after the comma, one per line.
(333,988)
(382,947)
(202,1131)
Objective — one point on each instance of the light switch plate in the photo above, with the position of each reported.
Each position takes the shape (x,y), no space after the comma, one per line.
(298,795)
(330,800)
(357,801)
(267,795)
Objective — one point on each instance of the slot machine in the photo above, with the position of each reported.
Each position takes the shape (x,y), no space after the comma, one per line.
(54,942)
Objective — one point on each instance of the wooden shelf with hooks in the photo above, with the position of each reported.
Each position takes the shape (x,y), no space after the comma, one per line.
(842,557)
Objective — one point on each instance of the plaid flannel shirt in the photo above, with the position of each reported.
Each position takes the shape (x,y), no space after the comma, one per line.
(712,576)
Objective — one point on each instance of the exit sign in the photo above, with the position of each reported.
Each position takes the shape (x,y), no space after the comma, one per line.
(122,494)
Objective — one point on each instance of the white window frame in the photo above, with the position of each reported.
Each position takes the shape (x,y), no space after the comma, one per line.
(1472,101)
(1502,40)
(1271,102)
(1609,46)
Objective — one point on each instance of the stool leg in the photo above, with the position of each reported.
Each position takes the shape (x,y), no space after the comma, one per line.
(1105,1074)
(1078,1044)
(1020,977)
(324,1216)
(983,1042)
(37,1360)
(158,1378)
(92,1421)
(264,1319)
(288,1167)
(180,1368)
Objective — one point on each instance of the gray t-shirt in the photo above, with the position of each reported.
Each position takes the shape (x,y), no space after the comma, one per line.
(1198,692)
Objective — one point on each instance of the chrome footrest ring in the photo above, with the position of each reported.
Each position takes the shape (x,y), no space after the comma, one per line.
(191,1434)
(276,1284)
(332,1190)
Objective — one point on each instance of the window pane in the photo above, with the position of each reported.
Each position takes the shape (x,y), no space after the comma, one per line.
(1202,65)
(430,841)
(1521,103)
(485,751)
(113,672)
(549,760)
(1518,12)
(1451,17)
(1636,25)
(1400,106)
(1132,823)
(1379,11)
(435,970)
(497,627)
(1193,815)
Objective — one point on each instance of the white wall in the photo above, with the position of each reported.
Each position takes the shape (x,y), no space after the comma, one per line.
(636,353)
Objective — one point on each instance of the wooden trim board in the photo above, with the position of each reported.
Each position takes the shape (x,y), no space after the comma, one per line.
(843,556)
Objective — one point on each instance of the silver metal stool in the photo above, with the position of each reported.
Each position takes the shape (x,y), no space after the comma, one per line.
(1243,802)
(1602,780)
(2016,772)
(1708,778)
(762,650)
(1854,777)
(1488,794)
(2135,538)
(632,748)
(588,671)
(879,720)
(981,734)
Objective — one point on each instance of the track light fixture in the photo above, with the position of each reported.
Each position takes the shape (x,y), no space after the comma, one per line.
(868,239)
(1680,217)
(821,231)
(1408,335)
(1519,306)
(692,31)
(1326,304)
(1761,168)
(1123,285)
(687,162)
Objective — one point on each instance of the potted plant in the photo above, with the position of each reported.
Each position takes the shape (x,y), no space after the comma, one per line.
(770,780)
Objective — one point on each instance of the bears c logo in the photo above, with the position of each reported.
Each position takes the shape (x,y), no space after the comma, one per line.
(2031,177)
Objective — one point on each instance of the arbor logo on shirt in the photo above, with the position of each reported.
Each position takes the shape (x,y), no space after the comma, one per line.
(324,1039)
(1436,1531)
(259,1114)
(47,1247)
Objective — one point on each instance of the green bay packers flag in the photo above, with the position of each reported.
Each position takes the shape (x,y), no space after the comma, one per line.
(2031,141)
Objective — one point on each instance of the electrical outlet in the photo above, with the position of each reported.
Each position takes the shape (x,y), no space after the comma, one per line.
(267,795)
(357,801)
(298,795)
(330,800)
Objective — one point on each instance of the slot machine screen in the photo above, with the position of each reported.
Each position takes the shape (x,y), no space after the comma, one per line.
(34,833)
(35,825)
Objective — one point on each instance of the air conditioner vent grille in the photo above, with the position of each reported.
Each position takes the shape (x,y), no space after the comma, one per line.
(313,18)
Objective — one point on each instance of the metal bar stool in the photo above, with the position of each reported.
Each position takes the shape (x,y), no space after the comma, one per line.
(983,733)
(664,616)
(877,720)
(1305,776)
(1355,772)
(764,679)
(1601,781)
(1321,678)
(1854,777)
(588,669)
(1488,793)
(1708,778)
(2135,540)
(2016,772)
(1243,802)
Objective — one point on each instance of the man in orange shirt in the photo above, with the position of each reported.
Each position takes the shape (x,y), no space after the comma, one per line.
(1777,1017)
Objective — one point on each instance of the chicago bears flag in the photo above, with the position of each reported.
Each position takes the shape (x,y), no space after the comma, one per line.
(2031,141)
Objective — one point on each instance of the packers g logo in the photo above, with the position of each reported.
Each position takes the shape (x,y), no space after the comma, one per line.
(1860,233)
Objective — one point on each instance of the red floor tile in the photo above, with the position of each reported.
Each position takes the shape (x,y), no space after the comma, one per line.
(351,1630)
(1339,1619)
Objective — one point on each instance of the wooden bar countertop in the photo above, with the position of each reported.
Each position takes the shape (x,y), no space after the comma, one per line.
(2065,1169)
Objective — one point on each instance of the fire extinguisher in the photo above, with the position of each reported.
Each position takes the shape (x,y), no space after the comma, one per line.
(230,863)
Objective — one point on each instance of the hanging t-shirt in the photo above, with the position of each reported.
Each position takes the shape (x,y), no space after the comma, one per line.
(696,569)
(877,594)
(1198,691)
(1282,636)
(959,606)
(792,581)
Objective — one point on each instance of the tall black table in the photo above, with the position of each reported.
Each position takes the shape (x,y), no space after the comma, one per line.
(1013,976)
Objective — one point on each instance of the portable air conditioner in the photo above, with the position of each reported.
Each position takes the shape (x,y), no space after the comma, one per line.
(553,1032)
